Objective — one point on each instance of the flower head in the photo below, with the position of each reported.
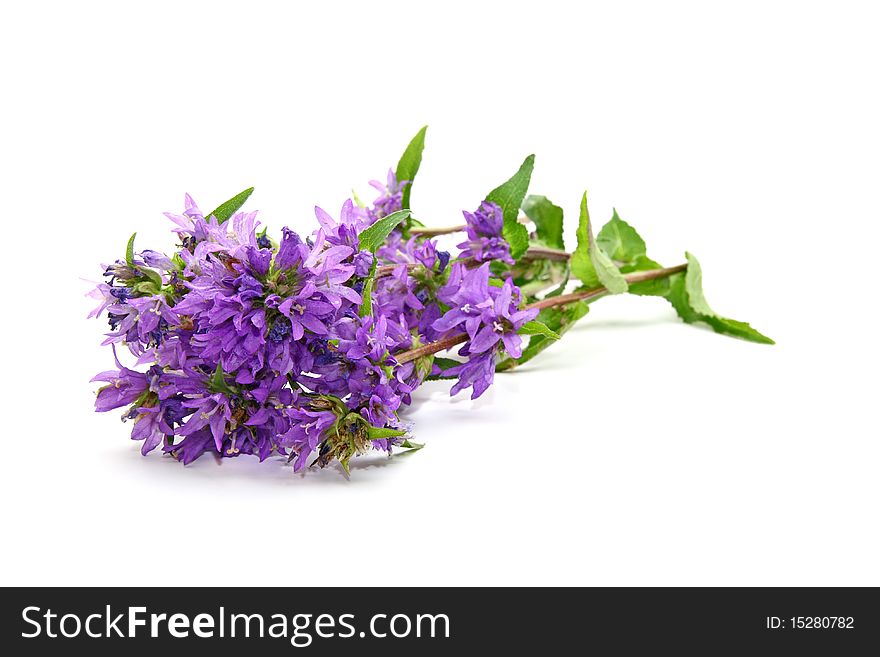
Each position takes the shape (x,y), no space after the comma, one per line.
(484,231)
(491,318)
(390,197)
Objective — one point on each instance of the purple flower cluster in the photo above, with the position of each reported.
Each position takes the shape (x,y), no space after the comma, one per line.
(390,197)
(245,345)
(490,316)
(485,242)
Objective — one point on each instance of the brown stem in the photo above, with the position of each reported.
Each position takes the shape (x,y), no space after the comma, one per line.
(563,299)
(431,348)
(552,302)
(431,232)
(387,270)
(541,252)
(653,274)
(634,277)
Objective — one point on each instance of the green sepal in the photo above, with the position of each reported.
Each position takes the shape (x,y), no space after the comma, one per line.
(151,275)
(218,382)
(146,288)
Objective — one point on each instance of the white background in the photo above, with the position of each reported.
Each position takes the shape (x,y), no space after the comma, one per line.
(638,451)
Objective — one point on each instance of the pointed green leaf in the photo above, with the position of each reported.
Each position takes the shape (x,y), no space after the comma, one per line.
(509,198)
(372,237)
(627,248)
(410,446)
(686,296)
(547,218)
(377,433)
(129,251)
(621,241)
(230,207)
(693,284)
(538,328)
(409,164)
(589,263)
(444,364)
(366,308)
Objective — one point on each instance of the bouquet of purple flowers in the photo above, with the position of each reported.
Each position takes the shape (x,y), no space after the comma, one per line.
(310,348)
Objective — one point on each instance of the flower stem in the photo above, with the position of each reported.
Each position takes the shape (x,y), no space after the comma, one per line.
(387,270)
(584,295)
(431,232)
(430,348)
(541,252)
(552,302)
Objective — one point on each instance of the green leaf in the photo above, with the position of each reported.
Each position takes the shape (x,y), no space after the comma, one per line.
(372,237)
(153,276)
(627,248)
(367,293)
(548,220)
(410,446)
(656,288)
(377,433)
(686,295)
(693,284)
(129,251)
(409,164)
(538,328)
(230,207)
(444,364)
(621,241)
(558,319)
(589,263)
(509,197)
